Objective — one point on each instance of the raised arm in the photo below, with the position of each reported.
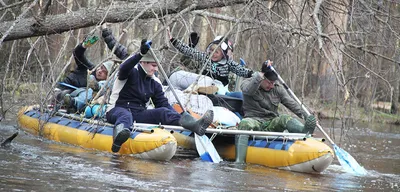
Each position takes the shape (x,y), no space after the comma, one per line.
(127,66)
(120,51)
(189,51)
(251,85)
(80,59)
(239,70)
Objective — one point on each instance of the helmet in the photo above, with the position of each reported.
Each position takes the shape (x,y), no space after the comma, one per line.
(225,45)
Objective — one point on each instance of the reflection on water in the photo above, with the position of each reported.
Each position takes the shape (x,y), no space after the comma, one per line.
(34,164)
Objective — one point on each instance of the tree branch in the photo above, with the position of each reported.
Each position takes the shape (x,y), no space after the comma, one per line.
(14,4)
(29,27)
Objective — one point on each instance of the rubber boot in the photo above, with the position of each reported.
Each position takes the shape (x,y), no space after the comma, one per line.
(69,103)
(294,126)
(120,135)
(309,125)
(241,142)
(197,126)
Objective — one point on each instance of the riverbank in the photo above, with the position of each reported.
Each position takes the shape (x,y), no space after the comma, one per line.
(357,114)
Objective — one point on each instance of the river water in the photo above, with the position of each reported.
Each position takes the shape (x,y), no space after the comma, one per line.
(36,164)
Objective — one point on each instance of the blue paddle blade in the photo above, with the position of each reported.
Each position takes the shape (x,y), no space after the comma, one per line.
(206,157)
(206,149)
(348,162)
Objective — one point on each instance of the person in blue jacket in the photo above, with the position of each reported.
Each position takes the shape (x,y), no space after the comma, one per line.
(134,87)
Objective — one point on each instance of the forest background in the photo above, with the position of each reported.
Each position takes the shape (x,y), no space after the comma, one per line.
(340,57)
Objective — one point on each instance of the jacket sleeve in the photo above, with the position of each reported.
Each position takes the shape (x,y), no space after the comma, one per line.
(251,85)
(190,52)
(291,104)
(80,58)
(239,70)
(120,51)
(127,66)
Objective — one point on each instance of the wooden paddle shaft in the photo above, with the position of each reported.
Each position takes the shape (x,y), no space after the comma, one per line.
(174,127)
(166,77)
(228,131)
(302,105)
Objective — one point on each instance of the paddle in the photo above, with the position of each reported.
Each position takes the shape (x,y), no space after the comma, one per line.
(204,146)
(345,159)
(7,141)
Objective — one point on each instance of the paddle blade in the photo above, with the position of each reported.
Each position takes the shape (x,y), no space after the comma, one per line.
(348,162)
(206,149)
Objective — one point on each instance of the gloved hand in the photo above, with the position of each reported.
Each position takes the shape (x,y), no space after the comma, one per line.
(242,62)
(106,32)
(266,66)
(144,47)
(89,41)
(268,72)
(93,84)
(193,39)
(173,41)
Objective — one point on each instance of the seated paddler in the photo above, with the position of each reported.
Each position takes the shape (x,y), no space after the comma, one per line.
(135,86)
(262,96)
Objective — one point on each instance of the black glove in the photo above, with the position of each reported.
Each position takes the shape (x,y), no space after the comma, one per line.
(106,32)
(144,48)
(193,39)
(173,41)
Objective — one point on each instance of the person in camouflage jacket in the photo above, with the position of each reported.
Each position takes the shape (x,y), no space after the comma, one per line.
(262,97)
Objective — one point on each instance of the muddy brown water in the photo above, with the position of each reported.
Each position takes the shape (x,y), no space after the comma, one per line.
(37,164)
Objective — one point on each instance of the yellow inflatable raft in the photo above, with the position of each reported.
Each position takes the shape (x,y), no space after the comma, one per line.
(307,155)
(158,144)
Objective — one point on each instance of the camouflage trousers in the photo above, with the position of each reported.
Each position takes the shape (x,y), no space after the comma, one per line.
(277,124)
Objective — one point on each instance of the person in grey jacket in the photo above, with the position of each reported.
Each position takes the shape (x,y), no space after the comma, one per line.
(262,96)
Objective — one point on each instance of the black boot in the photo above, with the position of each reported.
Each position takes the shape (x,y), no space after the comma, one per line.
(197,126)
(69,103)
(120,135)
(241,142)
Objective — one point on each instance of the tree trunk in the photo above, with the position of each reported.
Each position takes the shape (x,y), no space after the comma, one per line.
(396,83)
(329,82)
(91,16)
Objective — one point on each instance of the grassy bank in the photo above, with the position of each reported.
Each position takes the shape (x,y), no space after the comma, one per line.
(330,111)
